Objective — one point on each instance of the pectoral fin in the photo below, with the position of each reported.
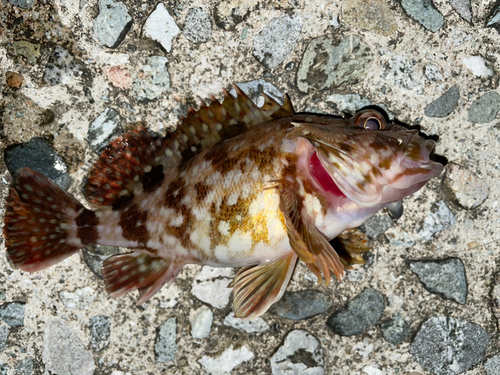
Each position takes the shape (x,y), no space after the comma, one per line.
(256,288)
(351,244)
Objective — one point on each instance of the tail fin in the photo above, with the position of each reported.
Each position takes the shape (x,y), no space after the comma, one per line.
(43,223)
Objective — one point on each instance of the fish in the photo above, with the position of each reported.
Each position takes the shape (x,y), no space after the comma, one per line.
(235,185)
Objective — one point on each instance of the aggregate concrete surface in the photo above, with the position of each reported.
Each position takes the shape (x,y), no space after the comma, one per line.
(75,73)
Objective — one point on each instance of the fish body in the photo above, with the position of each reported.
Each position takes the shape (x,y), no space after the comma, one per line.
(233,186)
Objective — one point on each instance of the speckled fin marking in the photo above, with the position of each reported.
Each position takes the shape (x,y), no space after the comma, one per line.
(256,288)
(305,239)
(37,220)
(133,163)
(123,273)
(209,124)
(351,244)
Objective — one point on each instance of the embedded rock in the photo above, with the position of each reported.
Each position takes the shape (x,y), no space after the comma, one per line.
(396,329)
(197,26)
(112,23)
(372,15)
(62,68)
(425,13)
(444,105)
(161,27)
(485,109)
(100,331)
(463,188)
(103,129)
(302,304)
(255,325)
(227,361)
(463,8)
(255,88)
(154,80)
(201,322)
(166,341)
(436,221)
(376,225)
(12,313)
(210,286)
(94,256)
(80,299)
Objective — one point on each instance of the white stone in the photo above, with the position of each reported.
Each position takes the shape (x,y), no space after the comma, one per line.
(161,27)
(250,326)
(477,66)
(210,286)
(80,299)
(348,102)
(201,322)
(227,361)
(370,370)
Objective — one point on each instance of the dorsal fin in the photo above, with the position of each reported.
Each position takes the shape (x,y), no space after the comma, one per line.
(209,124)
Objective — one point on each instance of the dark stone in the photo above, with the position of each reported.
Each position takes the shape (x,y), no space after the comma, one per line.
(100,330)
(197,26)
(24,4)
(445,277)
(103,129)
(444,105)
(39,156)
(12,313)
(376,225)
(24,367)
(396,209)
(485,109)
(425,13)
(359,314)
(396,329)
(494,17)
(112,23)
(95,256)
(303,304)
(447,346)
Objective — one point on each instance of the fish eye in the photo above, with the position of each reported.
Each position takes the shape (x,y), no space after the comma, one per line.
(372,123)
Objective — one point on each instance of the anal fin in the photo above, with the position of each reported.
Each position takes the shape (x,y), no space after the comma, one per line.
(123,273)
(256,288)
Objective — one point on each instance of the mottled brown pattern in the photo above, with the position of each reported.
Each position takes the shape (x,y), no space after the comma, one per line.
(87,230)
(201,191)
(308,188)
(133,224)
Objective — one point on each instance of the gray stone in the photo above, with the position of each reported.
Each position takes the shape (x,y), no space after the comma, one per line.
(492,365)
(94,256)
(63,352)
(12,313)
(300,353)
(432,73)
(331,61)
(463,188)
(274,43)
(444,105)
(161,27)
(302,304)
(463,8)
(255,88)
(100,331)
(448,346)
(485,109)
(372,15)
(39,156)
(103,129)
(350,103)
(154,80)
(399,71)
(24,366)
(197,26)
(4,335)
(360,313)
(62,68)
(112,23)
(425,13)
(29,50)
(395,209)
(166,341)
(376,225)
(436,221)
(249,326)
(24,4)
(494,17)
(445,277)
(201,322)
(229,13)
(396,329)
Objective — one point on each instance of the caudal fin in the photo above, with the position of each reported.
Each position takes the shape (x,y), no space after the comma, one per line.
(43,223)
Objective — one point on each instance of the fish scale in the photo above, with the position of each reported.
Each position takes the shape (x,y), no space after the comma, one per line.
(234,185)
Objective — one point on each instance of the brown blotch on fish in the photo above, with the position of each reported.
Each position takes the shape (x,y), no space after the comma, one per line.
(87,230)
(133,224)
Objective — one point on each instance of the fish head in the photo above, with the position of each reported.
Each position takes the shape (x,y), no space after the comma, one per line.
(370,160)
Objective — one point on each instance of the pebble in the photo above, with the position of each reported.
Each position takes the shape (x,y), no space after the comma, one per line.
(446,346)
(24,4)
(24,366)
(161,27)
(63,352)
(463,188)
(395,209)
(485,109)
(398,237)
(495,296)
(166,341)
(61,68)
(432,73)
(398,71)
(14,80)
(100,331)
(210,286)
(444,105)
(255,325)
(360,313)
(477,65)
(118,76)
(38,155)
(80,299)
(95,255)
(229,13)
(112,23)
(300,353)
(255,88)
(372,15)
(302,304)
(197,26)
(445,277)
(201,322)
(349,60)
(154,79)
(4,335)
(376,225)
(463,8)
(492,365)
(103,129)
(350,103)
(12,313)
(425,13)
(396,329)
(30,51)
(273,44)
(436,221)
(227,361)
(494,17)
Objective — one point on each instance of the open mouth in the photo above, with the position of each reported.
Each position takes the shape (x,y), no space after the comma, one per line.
(322,177)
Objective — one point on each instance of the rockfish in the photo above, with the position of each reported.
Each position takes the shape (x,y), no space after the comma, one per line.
(234,185)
